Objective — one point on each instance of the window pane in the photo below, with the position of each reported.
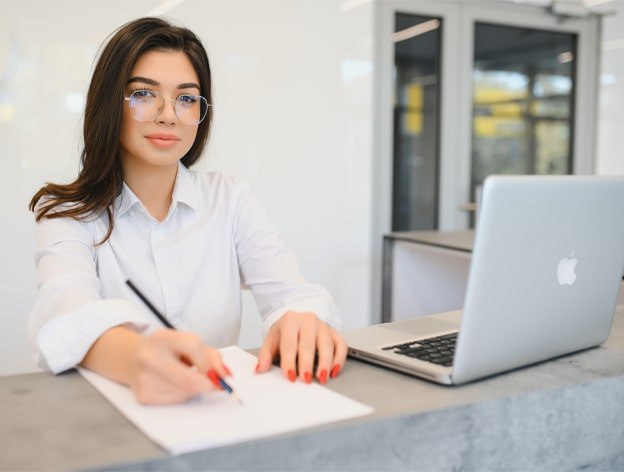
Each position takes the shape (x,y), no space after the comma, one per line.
(523,85)
(416,122)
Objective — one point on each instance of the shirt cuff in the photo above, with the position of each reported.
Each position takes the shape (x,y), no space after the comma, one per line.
(63,342)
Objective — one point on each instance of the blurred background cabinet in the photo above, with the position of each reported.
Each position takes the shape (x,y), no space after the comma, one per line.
(425,272)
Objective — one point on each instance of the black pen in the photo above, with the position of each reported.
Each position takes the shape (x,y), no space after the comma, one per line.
(149,305)
(212,375)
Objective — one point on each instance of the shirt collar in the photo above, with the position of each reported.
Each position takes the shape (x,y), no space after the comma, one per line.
(183,192)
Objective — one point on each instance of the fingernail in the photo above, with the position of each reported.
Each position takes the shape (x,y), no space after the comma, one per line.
(257,367)
(214,378)
(292,376)
(335,371)
(307,377)
(323,376)
(227,371)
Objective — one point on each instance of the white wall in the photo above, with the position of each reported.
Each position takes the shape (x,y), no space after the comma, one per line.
(293,93)
(610,150)
(292,83)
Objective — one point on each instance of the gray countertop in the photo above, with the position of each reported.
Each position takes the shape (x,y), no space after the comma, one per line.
(564,414)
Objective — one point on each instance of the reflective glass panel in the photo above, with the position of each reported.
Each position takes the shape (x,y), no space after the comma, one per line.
(523,107)
(416,122)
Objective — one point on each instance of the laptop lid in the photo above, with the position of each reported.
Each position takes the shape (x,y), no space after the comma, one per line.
(547,264)
(544,276)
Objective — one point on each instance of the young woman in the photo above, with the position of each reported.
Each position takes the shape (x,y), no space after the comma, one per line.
(189,240)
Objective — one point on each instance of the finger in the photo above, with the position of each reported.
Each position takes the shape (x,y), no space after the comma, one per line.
(187,380)
(192,352)
(186,346)
(306,351)
(163,378)
(214,378)
(340,353)
(268,351)
(175,365)
(216,364)
(288,341)
(325,349)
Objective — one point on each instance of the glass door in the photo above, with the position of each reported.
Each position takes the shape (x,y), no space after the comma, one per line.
(476,88)
(522,102)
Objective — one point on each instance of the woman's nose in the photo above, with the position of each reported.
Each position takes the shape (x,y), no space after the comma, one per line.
(167,112)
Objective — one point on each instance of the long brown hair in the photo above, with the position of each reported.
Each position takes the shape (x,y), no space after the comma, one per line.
(100,177)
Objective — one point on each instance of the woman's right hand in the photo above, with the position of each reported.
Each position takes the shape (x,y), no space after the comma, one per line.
(165,367)
(172,366)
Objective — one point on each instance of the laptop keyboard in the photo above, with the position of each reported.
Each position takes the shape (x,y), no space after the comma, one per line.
(437,350)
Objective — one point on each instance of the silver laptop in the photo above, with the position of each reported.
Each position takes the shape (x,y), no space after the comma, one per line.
(545,272)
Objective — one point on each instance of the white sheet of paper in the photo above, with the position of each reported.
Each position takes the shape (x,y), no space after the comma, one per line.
(271,405)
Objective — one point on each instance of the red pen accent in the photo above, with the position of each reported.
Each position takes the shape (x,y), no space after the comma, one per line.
(222,384)
(214,378)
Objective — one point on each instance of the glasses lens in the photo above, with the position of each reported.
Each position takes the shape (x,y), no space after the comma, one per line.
(144,105)
(191,109)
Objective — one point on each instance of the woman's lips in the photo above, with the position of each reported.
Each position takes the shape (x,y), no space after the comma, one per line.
(163,140)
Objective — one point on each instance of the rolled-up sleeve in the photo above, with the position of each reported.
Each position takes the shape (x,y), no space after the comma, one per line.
(69,315)
(270,269)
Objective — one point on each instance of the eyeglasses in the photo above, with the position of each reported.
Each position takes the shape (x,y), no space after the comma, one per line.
(147,105)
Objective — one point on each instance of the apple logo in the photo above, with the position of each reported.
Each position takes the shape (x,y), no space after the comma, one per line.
(566,270)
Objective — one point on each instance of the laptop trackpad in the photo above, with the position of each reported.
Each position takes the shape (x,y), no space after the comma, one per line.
(426,326)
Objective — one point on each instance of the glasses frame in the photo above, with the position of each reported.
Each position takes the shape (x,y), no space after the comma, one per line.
(204,103)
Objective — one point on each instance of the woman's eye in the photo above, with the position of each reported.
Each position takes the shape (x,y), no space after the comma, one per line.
(143,95)
(187,100)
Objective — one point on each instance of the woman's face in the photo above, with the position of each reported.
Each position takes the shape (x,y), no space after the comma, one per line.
(162,140)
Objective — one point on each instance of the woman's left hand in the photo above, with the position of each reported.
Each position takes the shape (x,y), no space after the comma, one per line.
(297,338)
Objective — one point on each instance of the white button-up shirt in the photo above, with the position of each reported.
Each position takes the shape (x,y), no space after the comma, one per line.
(215,239)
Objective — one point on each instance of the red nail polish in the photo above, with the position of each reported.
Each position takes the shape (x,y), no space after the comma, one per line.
(214,378)
(227,371)
(307,377)
(292,376)
(335,371)
(257,367)
(323,376)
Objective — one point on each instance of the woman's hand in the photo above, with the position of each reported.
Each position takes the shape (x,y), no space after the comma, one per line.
(297,337)
(164,368)
(172,366)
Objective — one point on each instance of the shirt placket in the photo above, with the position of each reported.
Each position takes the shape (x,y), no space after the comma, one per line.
(166,269)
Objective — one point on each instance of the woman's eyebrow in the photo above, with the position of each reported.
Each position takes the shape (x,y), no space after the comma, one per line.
(148,81)
(188,85)
(143,80)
